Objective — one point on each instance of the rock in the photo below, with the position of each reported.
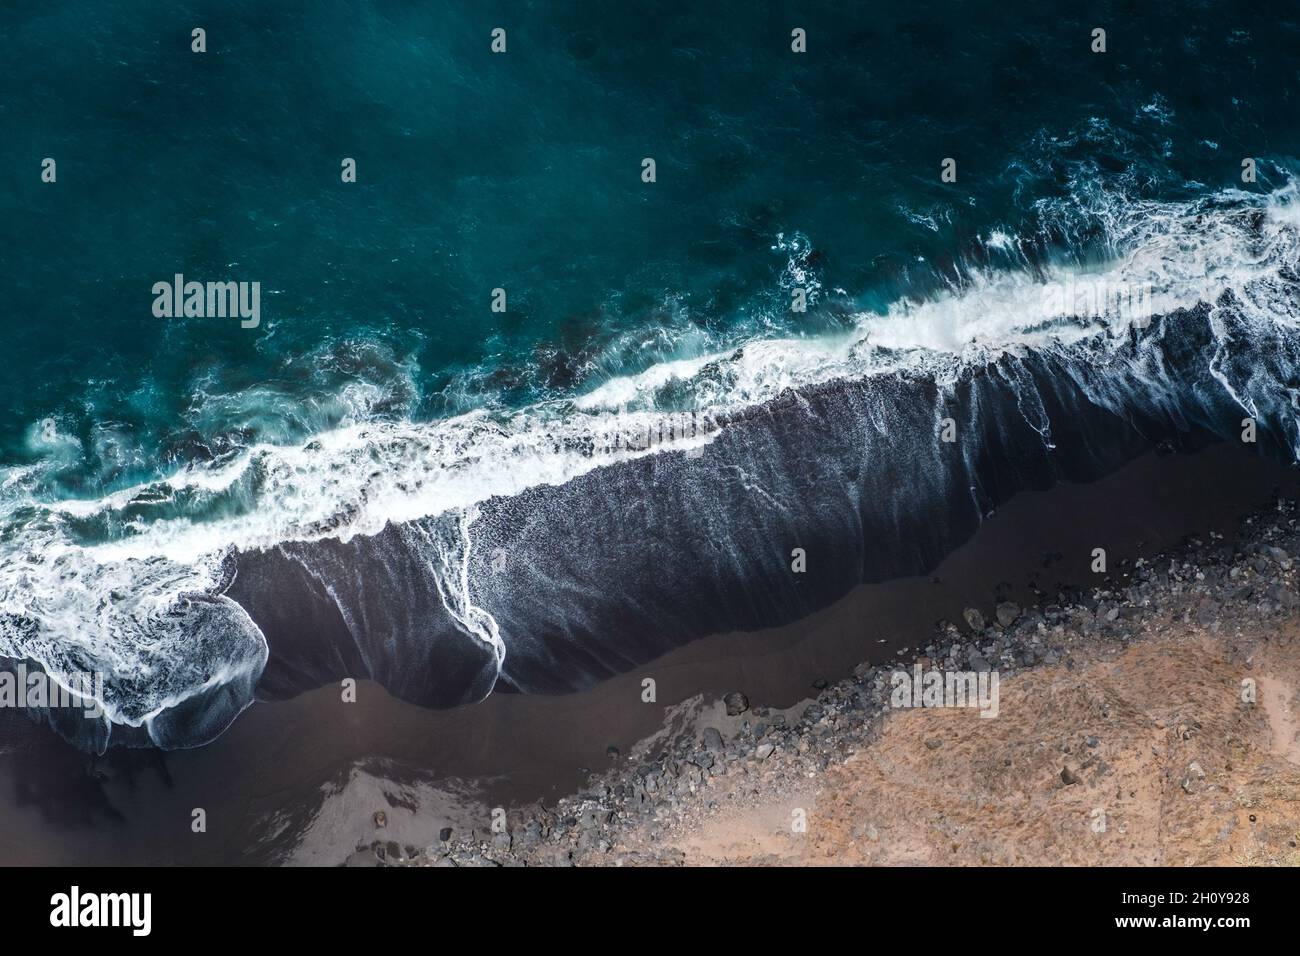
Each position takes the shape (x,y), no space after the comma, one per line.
(1206,611)
(532,834)
(612,752)
(712,739)
(1007,613)
(381,819)
(764,751)
(974,619)
(1284,596)
(1195,774)
(934,743)
(1091,741)
(736,703)
(1069,777)
(445,834)
(1281,557)
(977,661)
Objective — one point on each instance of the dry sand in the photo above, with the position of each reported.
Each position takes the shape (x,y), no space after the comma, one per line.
(1181,772)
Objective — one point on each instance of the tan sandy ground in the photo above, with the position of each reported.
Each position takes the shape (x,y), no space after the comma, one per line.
(990,791)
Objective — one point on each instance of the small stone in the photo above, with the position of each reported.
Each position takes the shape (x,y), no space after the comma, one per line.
(867,831)
(445,834)
(1069,777)
(612,752)
(1007,613)
(934,743)
(712,739)
(764,751)
(974,619)
(381,819)
(736,703)
(1192,779)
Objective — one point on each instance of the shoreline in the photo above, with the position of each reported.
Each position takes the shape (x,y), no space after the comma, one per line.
(567,584)
(299,781)
(1155,656)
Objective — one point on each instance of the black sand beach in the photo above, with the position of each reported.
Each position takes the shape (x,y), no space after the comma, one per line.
(284,766)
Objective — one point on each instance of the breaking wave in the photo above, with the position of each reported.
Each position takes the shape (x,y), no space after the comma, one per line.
(533,548)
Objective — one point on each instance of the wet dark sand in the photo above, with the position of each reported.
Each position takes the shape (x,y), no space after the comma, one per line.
(263,780)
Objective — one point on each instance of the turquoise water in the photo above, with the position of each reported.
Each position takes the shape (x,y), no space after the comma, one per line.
(138,454)
(522,171)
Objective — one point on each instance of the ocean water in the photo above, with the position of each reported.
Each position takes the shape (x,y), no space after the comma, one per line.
(447,492)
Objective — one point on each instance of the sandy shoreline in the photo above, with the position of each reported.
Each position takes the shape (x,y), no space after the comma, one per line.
(300,781)
(1123,756)
(1154,721)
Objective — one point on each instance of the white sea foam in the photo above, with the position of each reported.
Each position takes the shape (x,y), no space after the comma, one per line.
(112,604)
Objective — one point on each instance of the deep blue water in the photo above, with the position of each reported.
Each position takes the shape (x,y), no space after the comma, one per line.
(522,170)
(137,453)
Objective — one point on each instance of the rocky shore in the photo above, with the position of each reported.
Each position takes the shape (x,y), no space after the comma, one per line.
(1107,695)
